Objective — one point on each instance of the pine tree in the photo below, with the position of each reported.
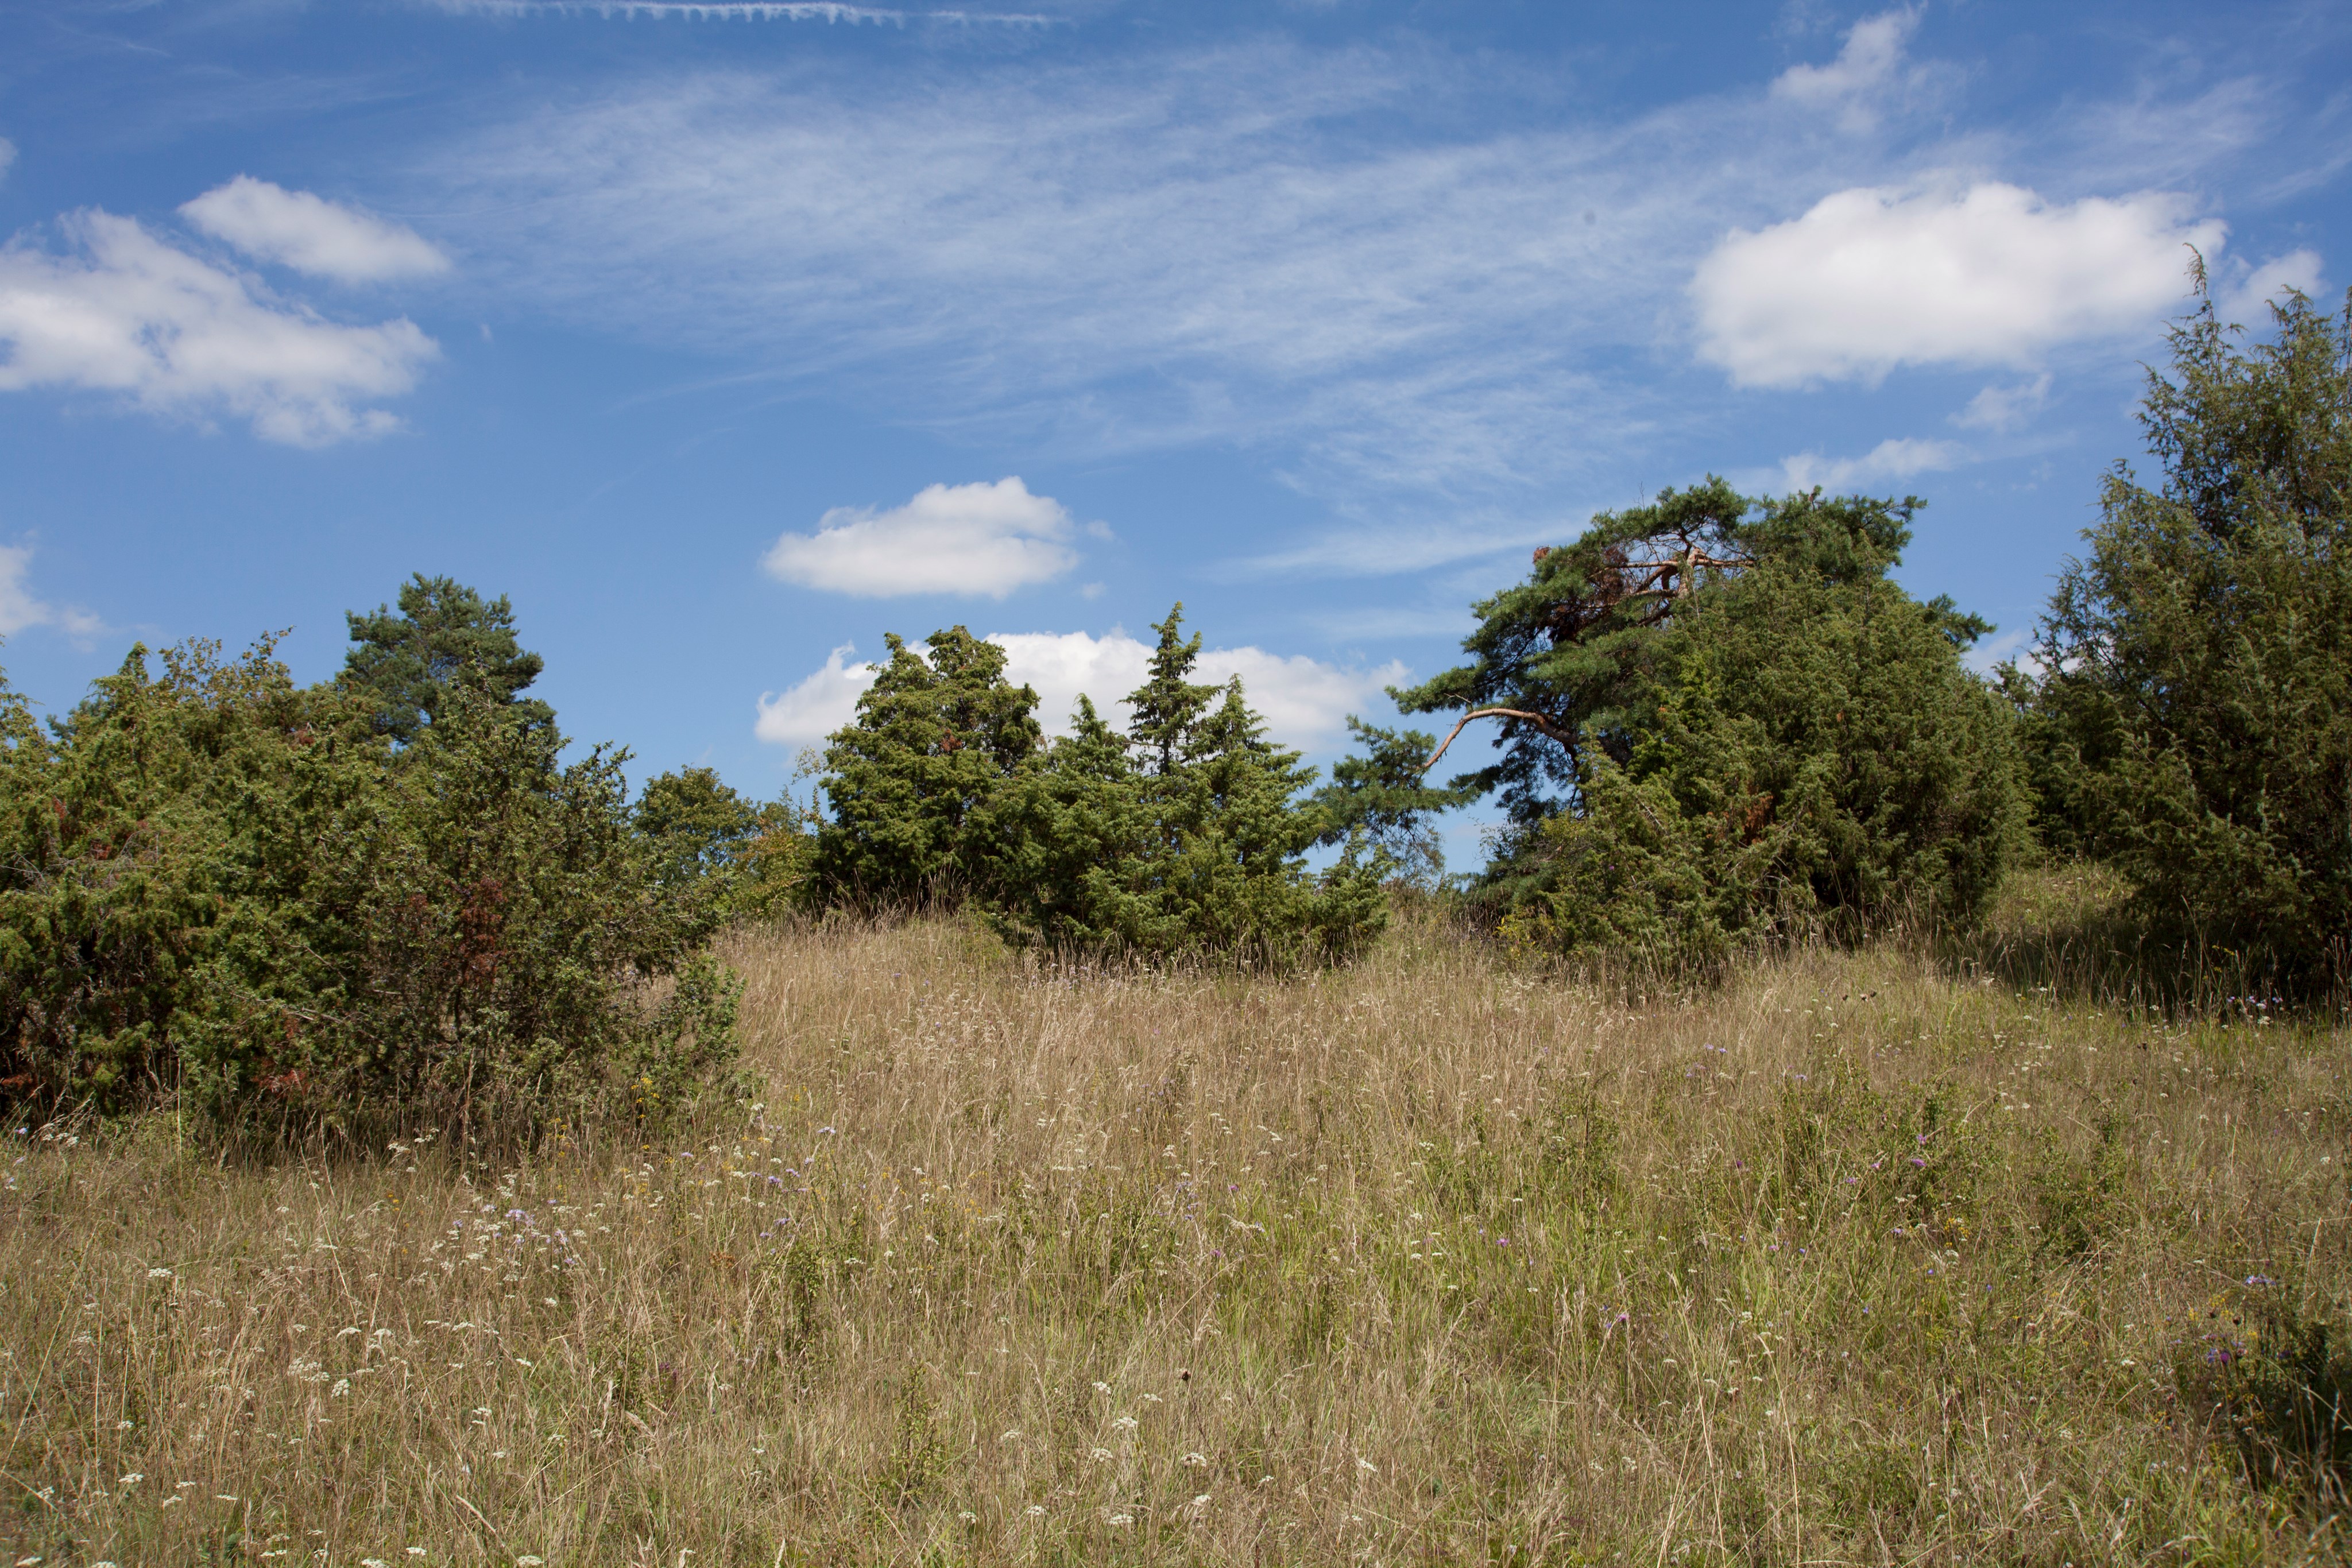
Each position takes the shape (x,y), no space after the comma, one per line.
(444,633)
(1383,800)
(1719,714)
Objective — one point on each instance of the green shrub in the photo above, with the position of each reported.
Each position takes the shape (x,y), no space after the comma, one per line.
(707,841)
(225,887)
(937,734)
(2192,721)
(1186,836)
(1720,720)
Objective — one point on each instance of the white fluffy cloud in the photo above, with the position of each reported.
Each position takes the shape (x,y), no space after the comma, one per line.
(7,155)
(19,608)
(1865,69)
(2299,269)
(310,234)
(1304,701)
(123,312)
(1874,279)
(1899,458)
(979,539)
(817,706)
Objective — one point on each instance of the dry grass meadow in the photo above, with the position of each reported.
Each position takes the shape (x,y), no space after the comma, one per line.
(1858,1259)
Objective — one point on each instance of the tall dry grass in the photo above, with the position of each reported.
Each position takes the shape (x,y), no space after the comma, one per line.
(1426,1260)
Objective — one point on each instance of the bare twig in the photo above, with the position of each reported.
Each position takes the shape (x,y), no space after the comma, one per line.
(1536,719)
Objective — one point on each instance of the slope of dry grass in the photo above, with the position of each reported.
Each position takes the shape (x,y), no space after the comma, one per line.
(1428,1261)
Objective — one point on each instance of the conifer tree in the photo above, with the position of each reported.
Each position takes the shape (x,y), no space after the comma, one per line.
(1718,716)
(444,633)
(2192,720)
(937,734)
(1186,836)
(1167,708)
(1383,800)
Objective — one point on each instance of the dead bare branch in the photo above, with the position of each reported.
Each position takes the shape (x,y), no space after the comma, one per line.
(1536,719)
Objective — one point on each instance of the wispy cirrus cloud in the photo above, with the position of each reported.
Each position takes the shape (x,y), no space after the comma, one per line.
(21,608)
(1897,458)
(1201,247)
(2001,409)
(739,11)
(1870,69)
(1323,255)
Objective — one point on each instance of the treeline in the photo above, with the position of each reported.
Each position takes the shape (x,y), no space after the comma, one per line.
(1718,721)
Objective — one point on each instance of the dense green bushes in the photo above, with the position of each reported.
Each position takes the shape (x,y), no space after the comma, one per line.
(221,886)
(1185,835)
(2190,721)
(387,897)
(1722,719)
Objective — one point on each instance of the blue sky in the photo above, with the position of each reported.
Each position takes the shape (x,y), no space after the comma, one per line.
(726,337)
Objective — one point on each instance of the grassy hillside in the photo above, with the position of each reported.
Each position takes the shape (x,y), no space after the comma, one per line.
(1859,1258)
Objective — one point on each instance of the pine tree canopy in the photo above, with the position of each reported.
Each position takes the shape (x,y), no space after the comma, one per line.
(1718,717)
(1561,660)
(444,634)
